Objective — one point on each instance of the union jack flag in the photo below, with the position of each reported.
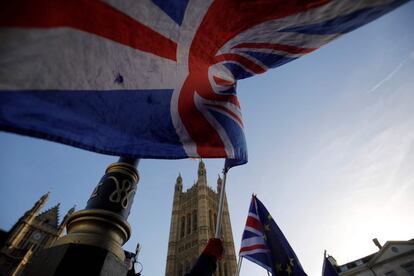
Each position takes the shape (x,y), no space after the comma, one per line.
(169,69)
(264,243)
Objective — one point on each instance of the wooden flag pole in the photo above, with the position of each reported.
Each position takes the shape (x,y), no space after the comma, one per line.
(239,263)
(220,207)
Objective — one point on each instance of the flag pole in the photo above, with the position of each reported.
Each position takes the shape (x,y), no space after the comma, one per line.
(239,263)
(220,207)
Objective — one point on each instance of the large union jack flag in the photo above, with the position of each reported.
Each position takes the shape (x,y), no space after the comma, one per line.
(168,68)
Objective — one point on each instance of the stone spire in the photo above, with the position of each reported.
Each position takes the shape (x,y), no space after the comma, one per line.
(20,229)
(179,183)
(202,178)
(32,213)
(65,220)
(219,184)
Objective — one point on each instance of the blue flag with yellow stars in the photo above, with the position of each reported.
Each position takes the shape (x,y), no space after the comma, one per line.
(264,243)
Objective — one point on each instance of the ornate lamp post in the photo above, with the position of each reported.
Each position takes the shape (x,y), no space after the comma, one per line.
(93,245)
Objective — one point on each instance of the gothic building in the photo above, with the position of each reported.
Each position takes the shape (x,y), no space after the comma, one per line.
(193,222)
(33,231)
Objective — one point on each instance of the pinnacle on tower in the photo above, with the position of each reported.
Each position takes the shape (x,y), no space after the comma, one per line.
(20,229)
(179,183)
(201,169)
(219,183)
(65,219)
(201,164)
(42,200)
(71,210)
(45,196)
(37,206)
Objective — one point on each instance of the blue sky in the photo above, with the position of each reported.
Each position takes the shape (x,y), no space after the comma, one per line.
(331,151)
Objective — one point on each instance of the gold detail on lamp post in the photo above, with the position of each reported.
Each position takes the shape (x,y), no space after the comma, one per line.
(99,228)
(122,192)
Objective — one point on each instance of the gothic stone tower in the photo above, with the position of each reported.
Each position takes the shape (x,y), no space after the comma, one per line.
(193,223)
(33,231)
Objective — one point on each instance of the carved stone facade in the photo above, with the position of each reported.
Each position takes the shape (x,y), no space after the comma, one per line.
(33,231)
(193,223)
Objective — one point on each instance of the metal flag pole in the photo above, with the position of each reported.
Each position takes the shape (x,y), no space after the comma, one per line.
(220,207)
(239,263)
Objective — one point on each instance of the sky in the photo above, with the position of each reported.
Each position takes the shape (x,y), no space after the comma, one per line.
(331,151)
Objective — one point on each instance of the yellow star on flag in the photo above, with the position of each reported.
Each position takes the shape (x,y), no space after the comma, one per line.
(289,269)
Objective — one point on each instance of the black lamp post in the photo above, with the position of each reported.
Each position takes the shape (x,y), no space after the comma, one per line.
(93,245)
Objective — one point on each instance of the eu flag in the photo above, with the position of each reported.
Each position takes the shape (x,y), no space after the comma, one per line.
(264,243)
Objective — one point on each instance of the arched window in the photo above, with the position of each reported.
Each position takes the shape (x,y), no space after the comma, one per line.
(182,230)
(188,223)
(195,220)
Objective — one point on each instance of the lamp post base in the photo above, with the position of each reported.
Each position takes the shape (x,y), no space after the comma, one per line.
(76,259)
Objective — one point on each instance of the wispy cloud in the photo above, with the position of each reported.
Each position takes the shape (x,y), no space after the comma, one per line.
(391,74)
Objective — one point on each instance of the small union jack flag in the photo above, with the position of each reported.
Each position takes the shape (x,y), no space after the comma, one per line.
(264,243)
